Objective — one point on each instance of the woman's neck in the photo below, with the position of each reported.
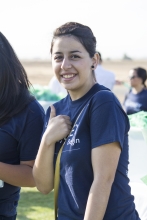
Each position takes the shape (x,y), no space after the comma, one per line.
(78,93)
(137,89)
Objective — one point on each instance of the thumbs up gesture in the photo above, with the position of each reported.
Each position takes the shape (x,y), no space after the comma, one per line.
(58,127)
(52,112)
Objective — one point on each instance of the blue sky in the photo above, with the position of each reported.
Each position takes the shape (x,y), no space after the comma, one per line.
(119,25)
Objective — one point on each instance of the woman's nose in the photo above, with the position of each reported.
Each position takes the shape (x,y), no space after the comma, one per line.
(65,64)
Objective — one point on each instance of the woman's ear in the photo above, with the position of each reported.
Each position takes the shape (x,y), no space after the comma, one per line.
(95,60)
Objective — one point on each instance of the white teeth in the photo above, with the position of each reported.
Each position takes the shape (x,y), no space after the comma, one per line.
(68,76)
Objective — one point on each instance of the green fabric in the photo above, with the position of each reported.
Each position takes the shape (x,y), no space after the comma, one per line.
(138,120)
(42,93)
(144,179)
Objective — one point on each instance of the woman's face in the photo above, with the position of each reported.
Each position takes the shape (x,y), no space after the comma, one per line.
(72,66)
(134,79)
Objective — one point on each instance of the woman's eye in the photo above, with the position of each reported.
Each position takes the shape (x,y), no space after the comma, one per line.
(74,56)
(58,58)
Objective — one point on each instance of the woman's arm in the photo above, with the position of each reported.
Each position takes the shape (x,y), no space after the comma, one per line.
(18,175)
(104,162)
(43,170)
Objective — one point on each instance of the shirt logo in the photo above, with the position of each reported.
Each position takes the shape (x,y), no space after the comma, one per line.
(71,141)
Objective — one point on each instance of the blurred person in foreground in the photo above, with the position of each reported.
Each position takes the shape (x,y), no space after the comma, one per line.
(94,158)
(21,125)
(136,99)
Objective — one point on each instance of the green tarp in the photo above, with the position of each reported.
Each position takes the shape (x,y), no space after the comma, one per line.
(138,120)
(42,93)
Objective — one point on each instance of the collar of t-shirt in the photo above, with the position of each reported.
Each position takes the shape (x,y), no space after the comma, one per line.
(85,98)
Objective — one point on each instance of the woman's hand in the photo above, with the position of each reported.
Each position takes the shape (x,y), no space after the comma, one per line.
(58,127)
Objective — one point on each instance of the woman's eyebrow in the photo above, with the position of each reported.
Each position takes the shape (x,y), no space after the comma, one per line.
(75,51)
(57,53)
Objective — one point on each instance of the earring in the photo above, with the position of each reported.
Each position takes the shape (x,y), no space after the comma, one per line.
(92,66)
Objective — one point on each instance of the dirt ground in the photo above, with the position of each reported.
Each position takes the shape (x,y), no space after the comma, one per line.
(40,72)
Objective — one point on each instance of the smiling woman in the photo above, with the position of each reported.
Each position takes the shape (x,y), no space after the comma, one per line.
(85,137)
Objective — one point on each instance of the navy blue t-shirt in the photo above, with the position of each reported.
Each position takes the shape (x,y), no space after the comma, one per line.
(102,121)
(19,141)
(134,103)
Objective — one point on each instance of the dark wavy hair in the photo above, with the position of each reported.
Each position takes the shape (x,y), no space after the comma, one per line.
(83,33)
(14,83)
(141,73)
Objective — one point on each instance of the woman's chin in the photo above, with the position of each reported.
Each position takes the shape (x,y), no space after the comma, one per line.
(69,87)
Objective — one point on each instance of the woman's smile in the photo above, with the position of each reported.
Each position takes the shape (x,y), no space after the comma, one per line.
(68,77)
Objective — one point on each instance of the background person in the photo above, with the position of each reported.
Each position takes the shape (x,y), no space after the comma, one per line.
(103,76)
(21,125)
(136,99)
(94,160)
(56,88)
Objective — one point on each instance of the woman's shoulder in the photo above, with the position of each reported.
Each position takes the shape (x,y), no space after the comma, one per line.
(32,111)
(104,96)
(106,100)
(145,90)
(35,106)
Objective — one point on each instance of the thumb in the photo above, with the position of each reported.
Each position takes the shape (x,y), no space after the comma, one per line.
(52,112)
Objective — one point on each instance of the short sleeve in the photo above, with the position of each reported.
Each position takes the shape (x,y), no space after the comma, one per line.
(108,123)
(31,137)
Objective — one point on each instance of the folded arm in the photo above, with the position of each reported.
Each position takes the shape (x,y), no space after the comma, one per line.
(18,175)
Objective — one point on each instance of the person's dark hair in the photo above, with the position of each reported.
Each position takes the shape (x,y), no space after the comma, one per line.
(83,33)
(141,73)
(14,83)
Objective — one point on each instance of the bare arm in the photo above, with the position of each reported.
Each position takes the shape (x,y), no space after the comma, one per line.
(104,162)
(43,170)
(18,175)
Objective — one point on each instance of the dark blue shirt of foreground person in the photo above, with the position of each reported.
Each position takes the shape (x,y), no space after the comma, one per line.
(19,141)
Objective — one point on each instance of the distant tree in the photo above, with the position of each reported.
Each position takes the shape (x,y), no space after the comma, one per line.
(126,57)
